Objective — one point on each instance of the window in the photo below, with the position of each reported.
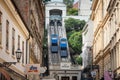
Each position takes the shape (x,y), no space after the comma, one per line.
(7,34)
(30,48)
(18,42)
(23,52)
(0,28)
(13,41)
(74,77)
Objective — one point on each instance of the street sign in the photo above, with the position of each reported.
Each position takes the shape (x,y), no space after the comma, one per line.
(65,65)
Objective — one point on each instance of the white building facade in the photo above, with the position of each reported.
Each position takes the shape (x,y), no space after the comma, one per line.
(62,70)
(58,7)
(87,39)
(85,8)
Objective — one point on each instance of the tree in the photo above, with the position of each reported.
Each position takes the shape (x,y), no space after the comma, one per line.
(78,60)
(75,41)
(72,11)
(74,24)
(69,3)
(70,33)
(74,34)
(69,24)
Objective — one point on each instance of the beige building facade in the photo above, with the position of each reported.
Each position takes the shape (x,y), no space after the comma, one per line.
(13,35)
(21,26)
(106,44)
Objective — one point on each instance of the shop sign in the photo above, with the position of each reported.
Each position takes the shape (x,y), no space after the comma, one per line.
(33,69)
(65,65)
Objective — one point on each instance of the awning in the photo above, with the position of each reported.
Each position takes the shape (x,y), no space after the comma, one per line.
(8,72)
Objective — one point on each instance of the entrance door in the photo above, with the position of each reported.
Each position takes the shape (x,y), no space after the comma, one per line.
(65,78)
(74,77)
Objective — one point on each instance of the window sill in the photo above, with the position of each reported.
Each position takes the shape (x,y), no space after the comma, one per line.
(7,52)
(13,56)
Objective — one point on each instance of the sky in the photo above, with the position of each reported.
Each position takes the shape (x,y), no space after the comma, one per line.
(75,1)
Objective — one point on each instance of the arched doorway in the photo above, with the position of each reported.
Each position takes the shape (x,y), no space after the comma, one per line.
(55,15)
(65,78)
(4,75)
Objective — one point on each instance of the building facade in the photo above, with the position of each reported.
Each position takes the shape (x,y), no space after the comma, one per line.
(21,26)
(87,39)
(85,8)
(55,8)
(13,35)
(105,15)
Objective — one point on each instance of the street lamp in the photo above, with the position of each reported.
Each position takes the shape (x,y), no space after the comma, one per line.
(18,56)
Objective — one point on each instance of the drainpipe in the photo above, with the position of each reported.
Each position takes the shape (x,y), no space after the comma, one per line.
(29,34)
(27,49)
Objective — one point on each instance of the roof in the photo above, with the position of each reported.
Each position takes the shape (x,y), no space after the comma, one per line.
(55,4)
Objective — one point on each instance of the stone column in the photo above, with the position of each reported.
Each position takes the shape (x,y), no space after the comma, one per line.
(70,77)
(59,77)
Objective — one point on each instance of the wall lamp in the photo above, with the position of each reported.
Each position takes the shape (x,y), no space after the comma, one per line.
(18,56)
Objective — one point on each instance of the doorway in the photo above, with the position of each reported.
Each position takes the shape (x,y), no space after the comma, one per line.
(65,78)
(74,77)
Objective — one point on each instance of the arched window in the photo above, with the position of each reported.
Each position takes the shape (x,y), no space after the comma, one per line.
(2,77)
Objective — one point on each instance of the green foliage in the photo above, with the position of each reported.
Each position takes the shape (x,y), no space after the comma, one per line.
(78,59)
(69,3)
(74,24)
(70,33)
(72,11)
(75,42)
(69,24)
(74,34)
(45,40)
